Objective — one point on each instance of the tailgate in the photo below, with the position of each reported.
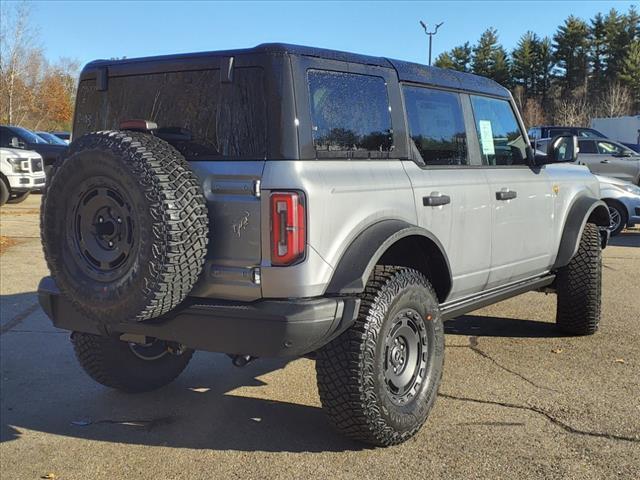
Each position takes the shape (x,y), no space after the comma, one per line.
(232,190)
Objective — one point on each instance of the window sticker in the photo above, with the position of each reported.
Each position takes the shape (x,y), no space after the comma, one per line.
(486,138)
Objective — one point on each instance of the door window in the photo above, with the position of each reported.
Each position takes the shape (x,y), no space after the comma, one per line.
(501,140)
(608,148)
(587,146)
(588,133)
(436,126)
(350,115)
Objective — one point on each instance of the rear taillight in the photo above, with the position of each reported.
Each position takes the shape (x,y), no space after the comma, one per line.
(288,227)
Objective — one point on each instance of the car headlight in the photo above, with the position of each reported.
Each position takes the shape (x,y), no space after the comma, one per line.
(19,165)
(629,188)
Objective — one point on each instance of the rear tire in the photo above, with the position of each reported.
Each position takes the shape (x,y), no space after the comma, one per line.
(126,367)
(379,379)
(579,287)
(18,197)
(4,192)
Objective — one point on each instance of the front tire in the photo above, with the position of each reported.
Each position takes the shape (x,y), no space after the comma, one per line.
(18,197)
(579,287)
(379,379)
(130,368)
(4,192)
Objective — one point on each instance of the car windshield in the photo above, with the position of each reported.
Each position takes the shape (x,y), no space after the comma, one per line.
(28,135)
(51,139)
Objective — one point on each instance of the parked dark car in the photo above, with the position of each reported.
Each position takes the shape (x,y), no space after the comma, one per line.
(549,131)
(66,136)
(18,137)
(51,139)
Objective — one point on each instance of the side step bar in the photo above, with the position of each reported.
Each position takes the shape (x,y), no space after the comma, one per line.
(457,308)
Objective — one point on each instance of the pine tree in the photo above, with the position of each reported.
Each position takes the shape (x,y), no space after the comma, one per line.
(458,58)
(571,46)
(490,58)
(462,57)
(630,73)
(525,63)
(597,54)
(544,68)
(444,60)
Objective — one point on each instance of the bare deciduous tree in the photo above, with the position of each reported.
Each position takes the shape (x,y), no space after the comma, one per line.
(616,100)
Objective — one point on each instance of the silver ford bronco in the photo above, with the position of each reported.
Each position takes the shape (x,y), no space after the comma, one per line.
(288,201)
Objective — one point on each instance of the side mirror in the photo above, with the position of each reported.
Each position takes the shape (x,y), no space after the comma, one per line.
(561,149)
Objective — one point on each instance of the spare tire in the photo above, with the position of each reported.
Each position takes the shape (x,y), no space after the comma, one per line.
(124,226)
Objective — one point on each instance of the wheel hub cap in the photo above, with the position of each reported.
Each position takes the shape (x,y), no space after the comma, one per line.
(405,356)
(103,230)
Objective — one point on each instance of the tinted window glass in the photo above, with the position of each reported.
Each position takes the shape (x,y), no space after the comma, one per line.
(436,125)
(553,132)
(588,133)
(501,141)
(350,115)
(587,146)
(534,133)
(194,111)
(610,148)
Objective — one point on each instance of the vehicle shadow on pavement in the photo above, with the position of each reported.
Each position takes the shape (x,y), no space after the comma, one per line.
(481,326)
(48,392)
(626,239)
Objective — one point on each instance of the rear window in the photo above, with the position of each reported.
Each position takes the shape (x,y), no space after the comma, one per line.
(436,126)
(194,111)
(350,115)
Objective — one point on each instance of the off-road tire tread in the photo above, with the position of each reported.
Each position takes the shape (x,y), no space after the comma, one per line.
(342,380)
(178,210)
(95,355)
(579,287)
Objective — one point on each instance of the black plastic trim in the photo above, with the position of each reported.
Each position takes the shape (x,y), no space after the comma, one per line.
(579,213)
(265,328)
(457,308)
(359,259)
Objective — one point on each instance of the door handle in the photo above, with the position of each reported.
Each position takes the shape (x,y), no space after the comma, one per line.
(605,161)
(436,200)
(506,195)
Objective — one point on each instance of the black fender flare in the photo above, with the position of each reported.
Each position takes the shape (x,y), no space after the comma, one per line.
(582,210)
(357,262)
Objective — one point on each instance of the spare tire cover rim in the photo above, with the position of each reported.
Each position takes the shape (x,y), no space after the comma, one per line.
(103,229)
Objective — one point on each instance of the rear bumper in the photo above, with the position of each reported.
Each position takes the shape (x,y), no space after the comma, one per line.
(265,328)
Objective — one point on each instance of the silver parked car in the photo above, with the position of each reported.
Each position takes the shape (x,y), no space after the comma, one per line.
(623,200)
(604,157)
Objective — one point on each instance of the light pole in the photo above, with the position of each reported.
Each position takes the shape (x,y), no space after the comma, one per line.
(431,34)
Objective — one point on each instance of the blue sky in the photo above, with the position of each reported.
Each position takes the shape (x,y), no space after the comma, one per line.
(87,30)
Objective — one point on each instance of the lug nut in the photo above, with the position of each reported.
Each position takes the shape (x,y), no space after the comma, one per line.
(119,220)
(100,219)
(111,244)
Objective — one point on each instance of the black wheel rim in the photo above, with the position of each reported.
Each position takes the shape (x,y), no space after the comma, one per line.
(104,231)
(405,356)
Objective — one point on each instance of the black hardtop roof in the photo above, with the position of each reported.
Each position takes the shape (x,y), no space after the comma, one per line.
(407,71)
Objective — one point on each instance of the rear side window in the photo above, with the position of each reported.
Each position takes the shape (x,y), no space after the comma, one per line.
(350,115)
(554,132)
(588,133)
(436,126)
(195,112)
(501,140)
(587,146)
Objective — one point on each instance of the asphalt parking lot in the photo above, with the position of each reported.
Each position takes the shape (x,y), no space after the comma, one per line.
(518,400)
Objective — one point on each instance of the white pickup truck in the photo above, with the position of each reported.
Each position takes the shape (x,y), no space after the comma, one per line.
(21,172)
